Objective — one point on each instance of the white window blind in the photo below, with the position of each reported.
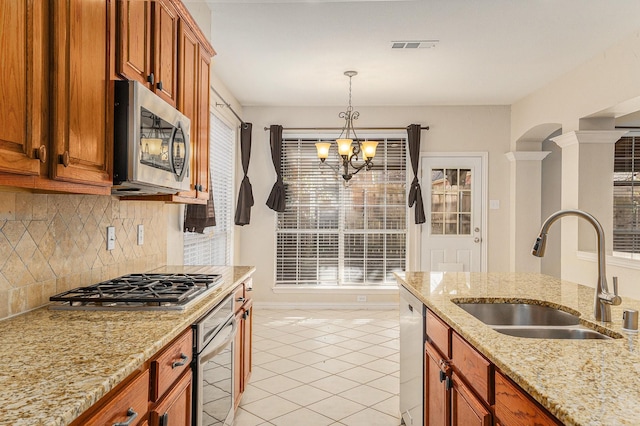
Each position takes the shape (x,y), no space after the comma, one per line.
(626,195)
(337,234)
(214,247)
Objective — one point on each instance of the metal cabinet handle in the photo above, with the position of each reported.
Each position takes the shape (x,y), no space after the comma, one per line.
(64,159)
(184,359)
(131,416)
(448,383)
(443,376)
(159,85)
(164,419)
(151,78)
(41,153)
(240,299)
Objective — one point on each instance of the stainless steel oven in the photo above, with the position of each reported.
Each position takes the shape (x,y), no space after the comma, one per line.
(213,399)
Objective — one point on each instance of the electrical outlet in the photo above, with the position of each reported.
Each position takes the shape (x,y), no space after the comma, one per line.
(361,298)
(140,234)
(111,237)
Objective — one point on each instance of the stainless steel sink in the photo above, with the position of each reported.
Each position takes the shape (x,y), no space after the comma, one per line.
(552,333)
(531,320)
(519,314)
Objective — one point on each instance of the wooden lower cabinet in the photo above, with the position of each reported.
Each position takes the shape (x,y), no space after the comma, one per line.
(243,342)
(466,409)
(516,408)
(128,403)
(436,393)
(174,409)
(463,388)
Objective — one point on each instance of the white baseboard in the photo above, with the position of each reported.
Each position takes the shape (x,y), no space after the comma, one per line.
(310,305)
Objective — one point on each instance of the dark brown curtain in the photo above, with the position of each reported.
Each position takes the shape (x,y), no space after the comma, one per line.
(415,193)
(200,216)
(245,196)
(276,200)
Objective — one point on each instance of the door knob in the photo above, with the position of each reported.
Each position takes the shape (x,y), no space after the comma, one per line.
(477,240)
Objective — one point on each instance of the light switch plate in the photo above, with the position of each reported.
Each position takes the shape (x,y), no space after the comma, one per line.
(111,237)
(494,204)
(140,234)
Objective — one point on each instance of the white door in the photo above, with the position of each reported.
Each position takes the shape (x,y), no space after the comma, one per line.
(452,235)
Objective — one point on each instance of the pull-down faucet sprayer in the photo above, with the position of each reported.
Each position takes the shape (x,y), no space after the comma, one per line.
(603,299)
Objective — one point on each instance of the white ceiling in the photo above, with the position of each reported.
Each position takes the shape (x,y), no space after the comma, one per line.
(490,52)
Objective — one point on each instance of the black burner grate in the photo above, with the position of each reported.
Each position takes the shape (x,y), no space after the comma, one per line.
(150,289)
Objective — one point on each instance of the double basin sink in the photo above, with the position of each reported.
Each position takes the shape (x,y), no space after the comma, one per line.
(531,320)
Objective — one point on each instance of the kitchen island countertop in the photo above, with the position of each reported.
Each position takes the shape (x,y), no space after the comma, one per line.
(58,363)
(581,382)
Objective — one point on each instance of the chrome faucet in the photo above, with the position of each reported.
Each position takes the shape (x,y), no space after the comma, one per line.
(603,299)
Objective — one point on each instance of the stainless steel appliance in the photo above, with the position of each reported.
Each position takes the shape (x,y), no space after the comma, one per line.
(213,366)
(412,337)
(151,143)
(139,292)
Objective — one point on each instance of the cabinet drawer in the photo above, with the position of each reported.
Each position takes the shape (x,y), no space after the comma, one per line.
(167,366)
(472,366)
(514,407)
(439,333)
(131,400)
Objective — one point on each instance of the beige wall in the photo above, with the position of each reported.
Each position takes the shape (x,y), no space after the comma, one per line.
(605,87)
(453,129)
(53,243)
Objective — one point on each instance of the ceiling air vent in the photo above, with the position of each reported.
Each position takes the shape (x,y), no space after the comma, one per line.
(414,44)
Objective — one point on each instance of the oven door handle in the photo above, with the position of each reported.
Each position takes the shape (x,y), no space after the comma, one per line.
(215,349)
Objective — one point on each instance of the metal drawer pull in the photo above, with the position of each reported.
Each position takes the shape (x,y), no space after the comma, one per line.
(131,416)
(184,359)
(240,299)
(164,419)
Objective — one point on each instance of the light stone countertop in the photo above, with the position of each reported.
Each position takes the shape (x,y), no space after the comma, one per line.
(582,382)
(57,363)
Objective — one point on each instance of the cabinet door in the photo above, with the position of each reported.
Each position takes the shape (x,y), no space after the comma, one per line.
(188,95)
(202,153)
(165,50)
(247,342)
(238,383)
(515,407)
(466,409)
(175,407)
(82,93)
(134,41)
(436,394)
(23,109)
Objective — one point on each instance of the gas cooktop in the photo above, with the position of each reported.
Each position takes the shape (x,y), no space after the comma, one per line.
(139,292)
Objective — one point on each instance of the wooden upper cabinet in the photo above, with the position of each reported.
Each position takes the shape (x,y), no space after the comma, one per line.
(188,60)
(165,29)
(23,109)
(204,67)
(82,118)
(134,40)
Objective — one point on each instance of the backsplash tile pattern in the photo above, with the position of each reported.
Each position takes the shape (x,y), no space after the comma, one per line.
(50,243)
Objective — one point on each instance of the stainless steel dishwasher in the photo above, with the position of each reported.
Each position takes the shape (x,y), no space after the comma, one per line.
(412,337)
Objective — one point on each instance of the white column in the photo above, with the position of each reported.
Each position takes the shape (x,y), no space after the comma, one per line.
(525,208)
(587,184)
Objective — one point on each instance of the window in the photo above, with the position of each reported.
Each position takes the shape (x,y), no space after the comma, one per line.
(626,195)
(336,233)
(214,247)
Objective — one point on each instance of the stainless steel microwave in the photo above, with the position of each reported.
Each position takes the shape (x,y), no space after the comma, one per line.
(151,143)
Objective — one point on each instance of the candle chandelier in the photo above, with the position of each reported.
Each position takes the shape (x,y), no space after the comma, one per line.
(350,149)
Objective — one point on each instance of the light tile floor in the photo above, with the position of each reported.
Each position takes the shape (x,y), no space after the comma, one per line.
(323,367)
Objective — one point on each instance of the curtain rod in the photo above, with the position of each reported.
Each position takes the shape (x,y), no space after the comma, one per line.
(340,128)
(225,103)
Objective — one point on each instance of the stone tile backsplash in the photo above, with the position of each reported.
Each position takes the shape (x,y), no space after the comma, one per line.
(50,243)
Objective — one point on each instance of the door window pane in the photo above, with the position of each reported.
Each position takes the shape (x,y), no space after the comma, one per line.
(451,194)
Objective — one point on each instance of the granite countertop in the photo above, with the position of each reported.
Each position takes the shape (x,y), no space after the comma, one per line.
(582,382)
(57,364)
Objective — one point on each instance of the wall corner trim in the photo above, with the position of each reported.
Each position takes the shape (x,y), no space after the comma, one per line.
(526,155)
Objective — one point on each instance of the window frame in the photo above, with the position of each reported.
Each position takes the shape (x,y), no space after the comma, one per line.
(387,288)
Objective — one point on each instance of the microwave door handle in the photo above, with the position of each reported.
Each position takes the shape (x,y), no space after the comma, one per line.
(187,153)
(210,353)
